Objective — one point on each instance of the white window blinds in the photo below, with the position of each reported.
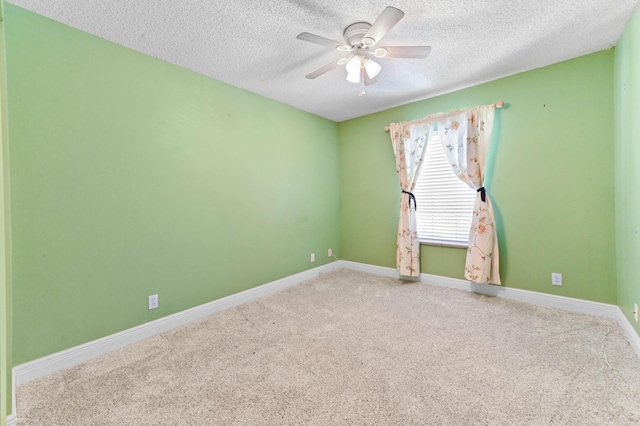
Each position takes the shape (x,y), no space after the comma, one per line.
(445,203)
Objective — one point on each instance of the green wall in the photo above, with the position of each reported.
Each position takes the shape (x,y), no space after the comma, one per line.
(627,158)
(131,176)
(5,276)
(550,177)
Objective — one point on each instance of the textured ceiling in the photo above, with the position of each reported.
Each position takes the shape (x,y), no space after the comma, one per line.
(252,44)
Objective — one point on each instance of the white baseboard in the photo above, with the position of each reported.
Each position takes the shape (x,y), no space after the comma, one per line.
(51,363)
(11,419)
(372,269)
(629,331)
(40,367)
(540,299)
(13,397)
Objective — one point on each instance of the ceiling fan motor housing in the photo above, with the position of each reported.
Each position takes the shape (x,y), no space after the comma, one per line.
(354,33)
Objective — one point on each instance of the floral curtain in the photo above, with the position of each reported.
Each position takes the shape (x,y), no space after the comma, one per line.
(409,146)
(465,137)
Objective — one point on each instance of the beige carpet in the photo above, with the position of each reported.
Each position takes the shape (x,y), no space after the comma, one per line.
(351,348)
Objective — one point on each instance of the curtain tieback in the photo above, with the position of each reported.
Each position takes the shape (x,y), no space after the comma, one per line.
(483,194)
(411,197)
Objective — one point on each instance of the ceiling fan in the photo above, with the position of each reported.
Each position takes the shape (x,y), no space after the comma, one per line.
(360,41)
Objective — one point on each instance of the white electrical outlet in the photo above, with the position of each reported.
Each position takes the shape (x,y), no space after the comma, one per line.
(313,257)
(556,279)
(635,311)
(330,253)
(153,301)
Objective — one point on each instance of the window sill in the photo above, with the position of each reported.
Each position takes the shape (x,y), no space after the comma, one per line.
(443,244)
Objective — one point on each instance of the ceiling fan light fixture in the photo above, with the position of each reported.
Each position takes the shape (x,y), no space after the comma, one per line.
(354,64)
(358,65)
(372,67)
(380,52)
(353,77)
(353,69)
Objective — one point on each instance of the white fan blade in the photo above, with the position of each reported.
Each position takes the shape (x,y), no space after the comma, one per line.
(320,71)
(415,52)
(387,19)
(319,40)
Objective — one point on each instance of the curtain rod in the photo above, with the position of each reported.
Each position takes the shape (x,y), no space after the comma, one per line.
(436,116)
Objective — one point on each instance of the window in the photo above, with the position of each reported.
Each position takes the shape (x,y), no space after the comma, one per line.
(445,203)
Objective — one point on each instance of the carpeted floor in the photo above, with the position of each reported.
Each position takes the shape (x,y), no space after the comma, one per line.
(351,348)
